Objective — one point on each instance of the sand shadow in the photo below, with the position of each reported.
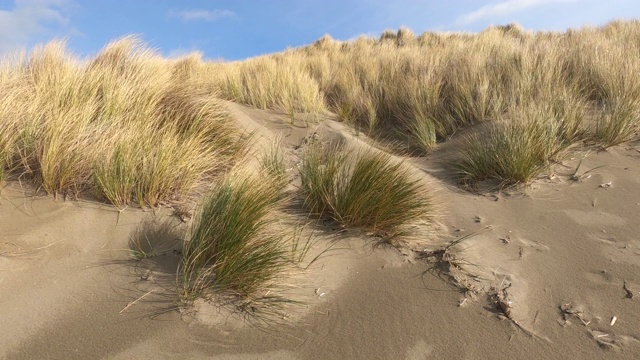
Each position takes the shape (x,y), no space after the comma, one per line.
(151,265)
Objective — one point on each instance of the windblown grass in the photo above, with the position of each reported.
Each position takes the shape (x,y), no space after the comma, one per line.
(418,90)
(64,121)
(605,67)
(230,247)
(126,125)
(269,83)
(514,151)
(363,189)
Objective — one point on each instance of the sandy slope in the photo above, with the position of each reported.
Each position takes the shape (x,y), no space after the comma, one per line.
(68,289)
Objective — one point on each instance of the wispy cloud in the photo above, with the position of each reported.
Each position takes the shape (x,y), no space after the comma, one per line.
(29,18)
(201,15)
(503,8)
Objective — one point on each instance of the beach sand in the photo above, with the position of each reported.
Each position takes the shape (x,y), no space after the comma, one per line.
(566,251)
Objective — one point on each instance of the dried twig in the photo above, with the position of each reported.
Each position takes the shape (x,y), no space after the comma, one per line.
(134,301)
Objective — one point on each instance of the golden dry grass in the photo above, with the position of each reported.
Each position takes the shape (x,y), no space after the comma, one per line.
(58,113)
(420,90)
(127,125)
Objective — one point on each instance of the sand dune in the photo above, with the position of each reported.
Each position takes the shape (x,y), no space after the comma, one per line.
(566,252)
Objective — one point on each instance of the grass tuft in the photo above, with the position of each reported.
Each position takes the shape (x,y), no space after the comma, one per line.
(619,122)
(363,189)
(230,248)
(513,151)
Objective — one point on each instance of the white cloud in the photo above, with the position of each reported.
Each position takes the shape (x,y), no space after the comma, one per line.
(503,8)
(201,15)
(29,18)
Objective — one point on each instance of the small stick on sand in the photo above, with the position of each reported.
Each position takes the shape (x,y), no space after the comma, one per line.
(134,301)
(120,211)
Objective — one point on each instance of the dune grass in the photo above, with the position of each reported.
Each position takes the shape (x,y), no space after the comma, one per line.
(272,162)
(513,151)
(363,189)
(619,122)
(418,90)
(132,127)
(59,112)
(268,83)
(126,125)
(605,68)
(230,248)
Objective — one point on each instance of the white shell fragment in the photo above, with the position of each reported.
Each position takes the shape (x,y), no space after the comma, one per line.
(613,321)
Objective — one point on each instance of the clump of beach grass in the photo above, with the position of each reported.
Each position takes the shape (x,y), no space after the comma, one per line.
(363,189)
(230,248)
(269,83)
(126,125)
(619,121)
(605,68)
(513,151)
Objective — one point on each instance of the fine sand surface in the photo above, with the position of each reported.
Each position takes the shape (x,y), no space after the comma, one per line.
(566,251)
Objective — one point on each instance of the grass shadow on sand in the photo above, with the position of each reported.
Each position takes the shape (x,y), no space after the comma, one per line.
(150,268)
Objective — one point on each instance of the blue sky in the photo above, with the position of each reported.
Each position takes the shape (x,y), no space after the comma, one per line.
(232,30)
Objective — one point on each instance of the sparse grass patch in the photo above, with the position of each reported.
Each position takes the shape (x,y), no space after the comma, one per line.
(273,163)
(363,189)
(153,239)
